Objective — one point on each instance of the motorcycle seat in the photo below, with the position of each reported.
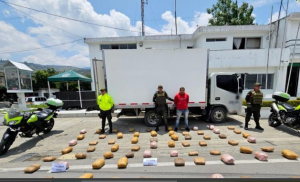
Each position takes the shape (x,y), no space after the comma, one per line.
(44,114)
(288,107)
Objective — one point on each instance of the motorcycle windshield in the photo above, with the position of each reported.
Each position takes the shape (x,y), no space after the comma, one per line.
(14,111)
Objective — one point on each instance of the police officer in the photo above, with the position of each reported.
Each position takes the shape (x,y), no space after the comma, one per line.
(254,100)
(160,99)
(105,103)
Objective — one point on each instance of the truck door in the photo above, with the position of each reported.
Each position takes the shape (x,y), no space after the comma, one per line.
(227,91)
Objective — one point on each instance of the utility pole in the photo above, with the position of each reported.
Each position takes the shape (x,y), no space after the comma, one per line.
(277,32)
(176,15)
(143,2)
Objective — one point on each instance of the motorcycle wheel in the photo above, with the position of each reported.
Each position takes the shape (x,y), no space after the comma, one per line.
(5,145)
(273,122)
(49,126)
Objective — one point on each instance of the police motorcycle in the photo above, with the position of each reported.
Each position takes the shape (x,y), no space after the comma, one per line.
(28,123)
(284,113)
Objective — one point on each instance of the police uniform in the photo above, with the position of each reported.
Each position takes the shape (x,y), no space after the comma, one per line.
(105,103)
(160,100)
(254,100)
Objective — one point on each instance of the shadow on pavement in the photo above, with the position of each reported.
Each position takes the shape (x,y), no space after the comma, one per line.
(288,130)
(29,143)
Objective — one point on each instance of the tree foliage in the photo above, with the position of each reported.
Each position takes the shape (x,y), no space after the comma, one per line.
(40,78)
(227,12)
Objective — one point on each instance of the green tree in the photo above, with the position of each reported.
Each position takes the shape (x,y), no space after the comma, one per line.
(227,12)
(40,78)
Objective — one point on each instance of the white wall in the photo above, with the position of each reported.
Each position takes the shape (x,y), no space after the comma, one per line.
(166,44)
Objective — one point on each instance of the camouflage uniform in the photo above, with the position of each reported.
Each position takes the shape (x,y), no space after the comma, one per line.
(160,100)
(254,101)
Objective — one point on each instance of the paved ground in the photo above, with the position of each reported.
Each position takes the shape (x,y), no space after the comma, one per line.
(27,151)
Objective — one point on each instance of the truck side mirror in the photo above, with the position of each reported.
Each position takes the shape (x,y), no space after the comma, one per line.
(240,90)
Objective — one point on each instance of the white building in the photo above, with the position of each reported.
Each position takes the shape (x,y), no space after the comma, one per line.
(239,49)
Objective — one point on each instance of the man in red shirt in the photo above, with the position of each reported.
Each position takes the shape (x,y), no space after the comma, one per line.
(181,101)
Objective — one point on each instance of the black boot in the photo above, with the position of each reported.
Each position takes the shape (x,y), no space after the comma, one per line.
(187,129)
(259,127)
(176,129)
(102,131)
(166,128)
(246,126)
(157,128)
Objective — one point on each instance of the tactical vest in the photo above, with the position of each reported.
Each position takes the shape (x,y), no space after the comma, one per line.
(256,97)
(161,98)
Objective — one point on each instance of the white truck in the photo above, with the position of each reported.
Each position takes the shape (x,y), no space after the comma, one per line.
(132,77)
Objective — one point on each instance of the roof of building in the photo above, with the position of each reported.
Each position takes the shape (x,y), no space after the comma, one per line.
(200,30)
(20,66)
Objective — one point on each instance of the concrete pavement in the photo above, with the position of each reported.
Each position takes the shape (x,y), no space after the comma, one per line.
(27,151)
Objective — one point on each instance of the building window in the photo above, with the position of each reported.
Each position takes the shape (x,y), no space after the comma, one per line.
(190,47)
(118,46)
(246,43)
(250,79)
(216,40)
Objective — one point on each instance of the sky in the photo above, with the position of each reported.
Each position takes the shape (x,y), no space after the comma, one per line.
(23,29)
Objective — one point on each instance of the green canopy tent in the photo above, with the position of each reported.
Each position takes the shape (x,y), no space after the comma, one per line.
(69,76)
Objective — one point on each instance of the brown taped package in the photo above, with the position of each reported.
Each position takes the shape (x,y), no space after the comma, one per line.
(130,155)
(187,137)
(171,143)
(80,156)
(131,129)
(245,135)
(87,175)
(95,142)
(91,149)
(123,162)
(111,142)
(135,148)
(174,137)
(246,150)
(193,153)
(49,159)
(186,144)
(136,134)
(108,155)
(206,137)
(102,136)
(202,143)
(222,136)
(32,168)
(200,132)
(170,128)
(119,135)
(289,154)
(230,127)
(115,148)
(199,161)
(134,140)
(153,133)
(98,164)
(237,131)
(233,142)
(115,131)
(179,162)
(185,133)
(171,133)
(267,149)
(215,152)
(67,150)
(98,131)
(80,137)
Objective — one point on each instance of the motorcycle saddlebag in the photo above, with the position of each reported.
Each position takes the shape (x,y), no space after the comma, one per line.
(281,96)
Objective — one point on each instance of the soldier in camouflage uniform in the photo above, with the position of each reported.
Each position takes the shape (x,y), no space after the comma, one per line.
(160,99)
(254,100)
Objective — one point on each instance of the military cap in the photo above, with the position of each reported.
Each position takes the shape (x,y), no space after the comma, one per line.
(257,84)
(160,86)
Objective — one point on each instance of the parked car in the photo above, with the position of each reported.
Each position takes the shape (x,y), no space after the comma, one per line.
(36,100)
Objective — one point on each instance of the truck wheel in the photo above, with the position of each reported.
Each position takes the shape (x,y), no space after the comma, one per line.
(218,115)
(151,119)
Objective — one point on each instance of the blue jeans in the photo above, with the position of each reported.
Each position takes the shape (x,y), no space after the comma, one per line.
(186,114)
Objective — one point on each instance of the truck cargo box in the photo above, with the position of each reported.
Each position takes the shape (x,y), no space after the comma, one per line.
(132,76)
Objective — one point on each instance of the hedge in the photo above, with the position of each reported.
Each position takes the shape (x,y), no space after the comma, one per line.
(294,103)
